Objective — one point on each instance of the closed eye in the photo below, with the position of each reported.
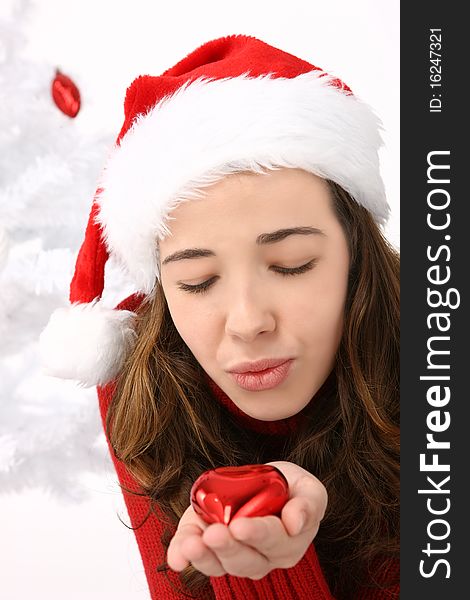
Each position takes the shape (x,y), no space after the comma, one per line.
(205,285)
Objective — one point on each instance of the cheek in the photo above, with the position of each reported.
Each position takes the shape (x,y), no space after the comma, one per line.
(195,327)
(317,314)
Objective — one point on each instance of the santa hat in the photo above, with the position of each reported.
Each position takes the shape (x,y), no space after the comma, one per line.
(235,103)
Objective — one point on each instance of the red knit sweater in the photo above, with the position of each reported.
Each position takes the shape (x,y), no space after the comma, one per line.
(305,581)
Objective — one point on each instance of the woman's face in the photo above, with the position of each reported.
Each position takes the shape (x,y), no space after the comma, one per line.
(231,300)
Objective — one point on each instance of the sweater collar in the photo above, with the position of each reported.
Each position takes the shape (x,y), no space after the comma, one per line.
(281,427)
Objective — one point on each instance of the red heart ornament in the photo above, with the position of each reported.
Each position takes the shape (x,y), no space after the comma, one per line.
(226,493)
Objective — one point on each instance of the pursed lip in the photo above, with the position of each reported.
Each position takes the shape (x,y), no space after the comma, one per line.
(258,365)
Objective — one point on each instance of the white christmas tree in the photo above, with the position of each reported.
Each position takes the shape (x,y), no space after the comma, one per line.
(50,430)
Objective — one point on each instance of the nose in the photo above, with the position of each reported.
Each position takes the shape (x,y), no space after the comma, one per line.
(249,312)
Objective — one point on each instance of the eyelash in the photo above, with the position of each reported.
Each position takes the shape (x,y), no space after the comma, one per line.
(205,285)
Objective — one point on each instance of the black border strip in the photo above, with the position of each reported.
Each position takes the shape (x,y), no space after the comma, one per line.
(434,269)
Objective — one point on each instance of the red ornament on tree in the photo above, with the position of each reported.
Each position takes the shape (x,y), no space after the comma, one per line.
(65,94)
(226,493)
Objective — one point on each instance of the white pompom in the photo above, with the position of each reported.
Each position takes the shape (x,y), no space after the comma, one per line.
(86,342)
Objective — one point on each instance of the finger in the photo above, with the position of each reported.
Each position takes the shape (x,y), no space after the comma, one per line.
(235,557)
(190,517)
(265,534)
(268,536)
(201,557)
(187,547)
(190,525)
(175,556)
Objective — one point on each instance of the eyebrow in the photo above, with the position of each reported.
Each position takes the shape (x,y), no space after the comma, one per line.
(261,240)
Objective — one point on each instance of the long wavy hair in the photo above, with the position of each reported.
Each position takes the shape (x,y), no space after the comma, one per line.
(167,428)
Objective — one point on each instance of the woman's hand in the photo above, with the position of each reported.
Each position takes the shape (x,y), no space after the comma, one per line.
(253,546)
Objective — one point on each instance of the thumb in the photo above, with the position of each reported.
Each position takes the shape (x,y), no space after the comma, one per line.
(308,499)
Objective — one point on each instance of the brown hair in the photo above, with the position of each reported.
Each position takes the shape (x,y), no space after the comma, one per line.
(165,425)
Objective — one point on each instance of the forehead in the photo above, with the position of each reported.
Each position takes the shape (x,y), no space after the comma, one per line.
(252,202)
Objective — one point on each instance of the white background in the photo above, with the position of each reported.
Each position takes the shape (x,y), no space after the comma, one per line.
(52,550)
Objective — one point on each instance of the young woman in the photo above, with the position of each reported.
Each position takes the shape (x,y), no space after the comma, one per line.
(245,199)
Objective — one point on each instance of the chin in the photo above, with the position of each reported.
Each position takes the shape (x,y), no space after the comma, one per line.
(267,414)
(278,417)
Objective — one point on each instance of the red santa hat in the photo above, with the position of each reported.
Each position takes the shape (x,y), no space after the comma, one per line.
(235,103)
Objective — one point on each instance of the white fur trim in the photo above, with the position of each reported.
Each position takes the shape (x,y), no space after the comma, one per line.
(210,128)
(86,342)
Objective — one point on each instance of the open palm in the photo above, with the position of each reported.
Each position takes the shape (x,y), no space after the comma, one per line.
(253,546)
